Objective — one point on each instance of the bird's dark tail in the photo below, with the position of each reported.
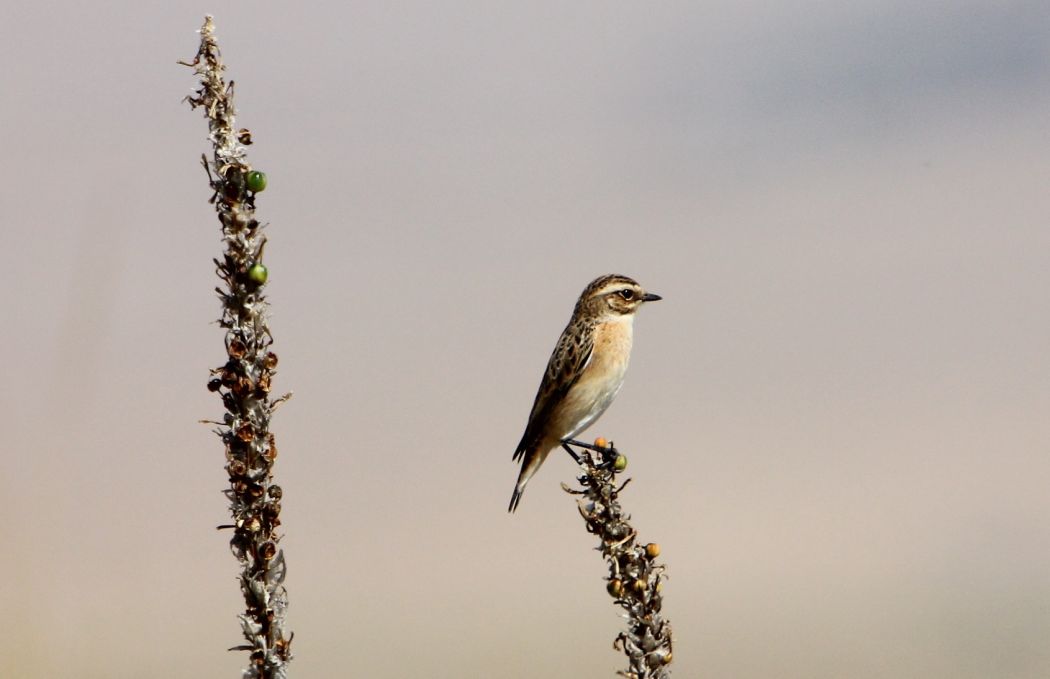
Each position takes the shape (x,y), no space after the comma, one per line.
(531,459)
(515,498)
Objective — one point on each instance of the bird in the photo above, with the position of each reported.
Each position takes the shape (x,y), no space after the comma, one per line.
(585,371)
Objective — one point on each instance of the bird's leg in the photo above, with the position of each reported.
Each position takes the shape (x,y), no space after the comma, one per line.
(581,444)
(570,451)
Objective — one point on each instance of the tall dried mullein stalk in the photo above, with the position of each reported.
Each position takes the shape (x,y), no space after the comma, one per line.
(635,579)
(244,379)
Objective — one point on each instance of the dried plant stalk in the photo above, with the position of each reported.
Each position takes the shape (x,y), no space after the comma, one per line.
(244,380)
(635,579)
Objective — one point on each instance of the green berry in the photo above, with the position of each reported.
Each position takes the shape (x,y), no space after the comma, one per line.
(258,274)
(256,181)
(620,463)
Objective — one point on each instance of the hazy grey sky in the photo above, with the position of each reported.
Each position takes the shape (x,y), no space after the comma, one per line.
(836,419)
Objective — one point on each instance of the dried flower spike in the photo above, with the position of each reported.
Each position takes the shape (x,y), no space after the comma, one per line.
(244,380)
(635,579)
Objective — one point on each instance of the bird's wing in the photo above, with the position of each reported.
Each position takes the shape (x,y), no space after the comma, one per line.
(567,363)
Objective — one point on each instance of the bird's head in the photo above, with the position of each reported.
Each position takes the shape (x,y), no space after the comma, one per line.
(613,295)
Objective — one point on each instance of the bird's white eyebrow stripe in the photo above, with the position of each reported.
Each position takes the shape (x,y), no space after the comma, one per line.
(614,286)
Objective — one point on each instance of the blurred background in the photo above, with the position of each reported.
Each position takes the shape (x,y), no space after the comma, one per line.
(837,419)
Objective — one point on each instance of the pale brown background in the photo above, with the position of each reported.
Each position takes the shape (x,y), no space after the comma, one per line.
(837,420)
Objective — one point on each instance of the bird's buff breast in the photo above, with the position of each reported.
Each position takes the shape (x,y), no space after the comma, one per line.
(601,380)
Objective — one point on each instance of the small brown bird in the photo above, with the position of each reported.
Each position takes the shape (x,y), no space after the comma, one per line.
(585,371)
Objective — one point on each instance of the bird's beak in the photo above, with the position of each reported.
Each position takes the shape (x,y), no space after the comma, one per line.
(651,297)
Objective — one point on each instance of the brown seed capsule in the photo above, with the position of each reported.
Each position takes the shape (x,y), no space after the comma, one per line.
(615,587)
(640,586)
(214,384)
(264,383)
(275,492)
(236,349)
(652,550)
(245,432)
(242,386)
(236,468)
(600,442)
(271,361)
(267,551)
(254,525)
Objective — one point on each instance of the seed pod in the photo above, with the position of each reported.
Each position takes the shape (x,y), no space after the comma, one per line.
(256,181)
(236,349)
(258,273)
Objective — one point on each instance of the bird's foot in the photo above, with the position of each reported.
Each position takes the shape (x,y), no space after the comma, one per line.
(606,454)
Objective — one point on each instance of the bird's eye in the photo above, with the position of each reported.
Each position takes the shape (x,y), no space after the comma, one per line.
(627,294)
